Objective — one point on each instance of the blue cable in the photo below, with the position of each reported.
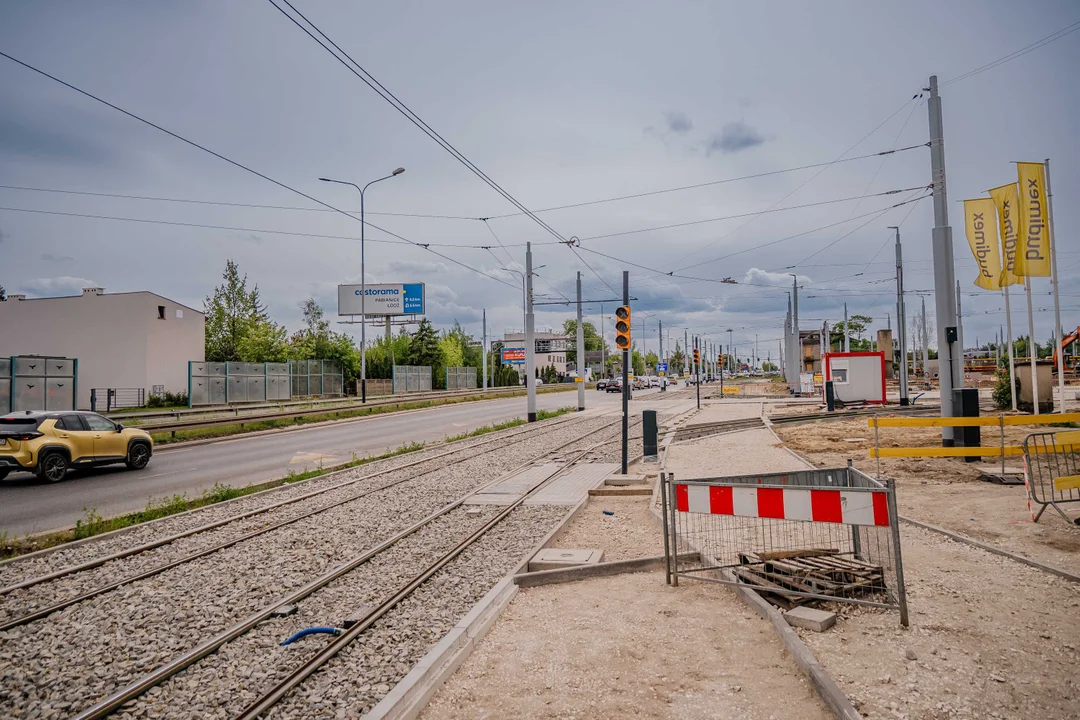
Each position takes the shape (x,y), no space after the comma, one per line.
(312,631)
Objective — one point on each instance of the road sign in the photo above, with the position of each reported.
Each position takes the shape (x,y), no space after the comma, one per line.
(513,356)
(382,300)
(661,369)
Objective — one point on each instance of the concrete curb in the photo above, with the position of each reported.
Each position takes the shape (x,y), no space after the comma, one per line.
(837,702)
(995,550)
(827,689)
(605,569)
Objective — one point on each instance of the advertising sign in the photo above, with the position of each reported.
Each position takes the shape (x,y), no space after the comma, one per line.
(513,356)
(382,299)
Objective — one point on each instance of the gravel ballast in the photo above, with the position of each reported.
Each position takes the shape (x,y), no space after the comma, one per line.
(68,661)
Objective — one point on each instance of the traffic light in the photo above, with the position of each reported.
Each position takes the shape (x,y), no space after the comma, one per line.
(697,357)
(622,327)
(720,359)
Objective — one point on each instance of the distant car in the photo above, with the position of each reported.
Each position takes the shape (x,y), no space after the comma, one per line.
(601,383)
(50,443)
(614,385)
(654,381)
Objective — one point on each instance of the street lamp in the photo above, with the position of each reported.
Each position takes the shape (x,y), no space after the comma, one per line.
(363,280)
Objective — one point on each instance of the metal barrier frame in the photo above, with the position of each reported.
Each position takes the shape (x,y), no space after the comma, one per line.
(1049,459)
(847,479)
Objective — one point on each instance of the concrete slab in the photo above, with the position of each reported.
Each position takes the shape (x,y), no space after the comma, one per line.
(810,618)
(641,490)
(558,558)
(573,486)
(619,480)
(513,487)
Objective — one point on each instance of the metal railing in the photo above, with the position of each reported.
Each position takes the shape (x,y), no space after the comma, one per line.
(1052,471)
(109,399)
(823,534)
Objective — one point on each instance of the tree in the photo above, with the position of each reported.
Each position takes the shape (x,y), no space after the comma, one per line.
(316,341)
(383,353)
(768,367)
(233,313)
(593,341)
(677,359)
(424,346)
(3,294)
(264,342)
(637,362)
(650,360)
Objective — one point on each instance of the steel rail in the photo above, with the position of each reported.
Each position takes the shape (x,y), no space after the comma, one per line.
(113,702)
(96,562)
(286,686)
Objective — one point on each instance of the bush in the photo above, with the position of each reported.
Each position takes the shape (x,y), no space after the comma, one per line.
(169,399)
(1003,389)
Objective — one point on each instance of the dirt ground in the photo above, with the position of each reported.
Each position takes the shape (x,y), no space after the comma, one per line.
(630,532)
(946,492)
(627,646)
(989,638)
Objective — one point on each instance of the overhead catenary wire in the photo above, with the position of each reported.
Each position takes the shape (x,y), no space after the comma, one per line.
(236,164)
(1067,30)
(368,79)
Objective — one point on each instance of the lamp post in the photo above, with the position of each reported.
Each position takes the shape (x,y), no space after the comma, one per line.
(524,305)
(363,282)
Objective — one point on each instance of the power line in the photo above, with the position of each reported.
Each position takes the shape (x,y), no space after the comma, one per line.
(710,183)
(369,80)
(750,214)
(234,163)
(229,204)
(1068,30)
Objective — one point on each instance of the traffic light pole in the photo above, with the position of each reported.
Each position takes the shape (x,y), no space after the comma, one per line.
(625,377)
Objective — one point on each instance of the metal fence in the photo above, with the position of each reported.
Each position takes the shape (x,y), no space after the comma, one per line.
(215,383)
(1052,470)
(460,378)
(822,534)
(316,378)
(109,399)
(412,378)
(33,382)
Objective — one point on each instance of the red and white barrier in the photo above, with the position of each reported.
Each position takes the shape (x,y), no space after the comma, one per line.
(849,507)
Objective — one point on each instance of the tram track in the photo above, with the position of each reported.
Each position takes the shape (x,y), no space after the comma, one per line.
(9,620)
(363,620)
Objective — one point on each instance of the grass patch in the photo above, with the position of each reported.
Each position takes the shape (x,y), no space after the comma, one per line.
(242,427)
(495,427)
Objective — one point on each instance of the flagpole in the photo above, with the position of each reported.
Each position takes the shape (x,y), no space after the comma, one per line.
(1012,358)
(1033,353)
(1054,288)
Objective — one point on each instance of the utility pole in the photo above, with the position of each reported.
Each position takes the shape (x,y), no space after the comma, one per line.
(660,335)
(686,352)
(901,320)
(1058,335)
(950,367)
(625,376)
(959,325)
(580,350)
(926,349)
(530,337)
(603,345)
(484,347)
(796,338)
(697,373)
(721,370)
(847,333)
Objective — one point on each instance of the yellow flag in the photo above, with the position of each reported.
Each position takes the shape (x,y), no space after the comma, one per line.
(1007,202)
(981,229)
(1033,250)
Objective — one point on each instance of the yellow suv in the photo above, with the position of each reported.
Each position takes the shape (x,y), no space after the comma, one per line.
(49,443)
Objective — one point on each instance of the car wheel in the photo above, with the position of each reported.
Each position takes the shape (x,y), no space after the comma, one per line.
(138,456)
(52,468)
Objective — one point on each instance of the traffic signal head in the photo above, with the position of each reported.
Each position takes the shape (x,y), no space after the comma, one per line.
(697,356)
(622,327)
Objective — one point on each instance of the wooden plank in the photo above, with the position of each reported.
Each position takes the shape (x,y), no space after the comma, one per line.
(762,585)
(1067,482)
(784,554)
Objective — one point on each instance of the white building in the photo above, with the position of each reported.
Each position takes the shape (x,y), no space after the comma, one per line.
(550,349)
(121,340)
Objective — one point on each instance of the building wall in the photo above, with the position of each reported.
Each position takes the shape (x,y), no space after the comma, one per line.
(112,335)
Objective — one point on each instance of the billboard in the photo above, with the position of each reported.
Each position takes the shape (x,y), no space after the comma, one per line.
(382,299)
(513,356)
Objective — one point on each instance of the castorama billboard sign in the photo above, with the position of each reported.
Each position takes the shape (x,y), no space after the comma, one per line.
(381,300)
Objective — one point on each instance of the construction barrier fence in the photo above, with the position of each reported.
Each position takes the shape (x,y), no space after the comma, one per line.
(1052,470)
(823,534)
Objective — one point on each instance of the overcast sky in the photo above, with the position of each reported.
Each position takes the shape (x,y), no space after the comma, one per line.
(560,103)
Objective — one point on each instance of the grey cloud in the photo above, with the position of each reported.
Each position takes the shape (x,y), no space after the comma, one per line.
(758,276)
(734,137)
(44,139)
(49,257)
(63,285)
(679,122)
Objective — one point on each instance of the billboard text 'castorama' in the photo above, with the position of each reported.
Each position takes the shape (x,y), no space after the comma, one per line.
(381,300)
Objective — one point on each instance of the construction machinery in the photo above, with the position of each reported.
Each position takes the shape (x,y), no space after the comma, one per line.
(1070,360)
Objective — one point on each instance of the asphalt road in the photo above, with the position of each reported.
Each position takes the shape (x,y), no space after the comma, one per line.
(29,507)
